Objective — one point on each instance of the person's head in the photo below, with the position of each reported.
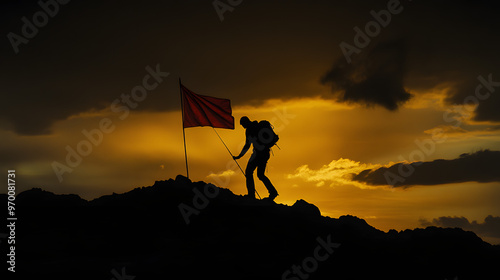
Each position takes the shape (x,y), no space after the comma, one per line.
(245,121)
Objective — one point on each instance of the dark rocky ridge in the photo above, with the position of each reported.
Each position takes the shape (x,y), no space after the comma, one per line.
(143,230)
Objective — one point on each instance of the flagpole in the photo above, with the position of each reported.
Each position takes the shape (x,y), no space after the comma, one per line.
(228,150)
(232,156)
(183,132)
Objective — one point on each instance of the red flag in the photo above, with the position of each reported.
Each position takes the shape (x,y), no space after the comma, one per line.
(200,110)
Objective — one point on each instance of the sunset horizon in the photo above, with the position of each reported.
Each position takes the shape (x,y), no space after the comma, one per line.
(385,110)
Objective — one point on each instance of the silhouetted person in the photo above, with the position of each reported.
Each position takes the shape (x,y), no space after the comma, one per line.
(260,156)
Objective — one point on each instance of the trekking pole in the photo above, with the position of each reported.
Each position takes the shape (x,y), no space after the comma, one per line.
(233,158)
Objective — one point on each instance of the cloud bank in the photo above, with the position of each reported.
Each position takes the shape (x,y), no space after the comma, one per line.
(482,166)
(373,79)
(489,228)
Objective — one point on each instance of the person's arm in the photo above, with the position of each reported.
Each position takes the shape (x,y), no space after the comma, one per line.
(244,150)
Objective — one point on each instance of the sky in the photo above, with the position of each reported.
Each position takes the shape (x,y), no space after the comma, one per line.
(386,110)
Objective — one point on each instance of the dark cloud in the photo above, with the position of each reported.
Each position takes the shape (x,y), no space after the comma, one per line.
(454,46)
(481,89)
(92,51)
(81,60)
(482,166)
(447,43)
(372,79)
(488,101)
(489,228)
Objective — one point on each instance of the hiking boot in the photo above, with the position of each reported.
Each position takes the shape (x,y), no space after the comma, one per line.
(272,196)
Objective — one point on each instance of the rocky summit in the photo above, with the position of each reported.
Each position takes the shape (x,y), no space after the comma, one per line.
(178,229)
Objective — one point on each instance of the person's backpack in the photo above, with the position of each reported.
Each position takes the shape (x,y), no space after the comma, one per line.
(266,136)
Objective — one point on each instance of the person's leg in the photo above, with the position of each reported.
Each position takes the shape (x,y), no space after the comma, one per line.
(251,165)
(261,169)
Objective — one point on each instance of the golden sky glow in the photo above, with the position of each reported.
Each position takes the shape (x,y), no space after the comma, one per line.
(321,143)
(337,115)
